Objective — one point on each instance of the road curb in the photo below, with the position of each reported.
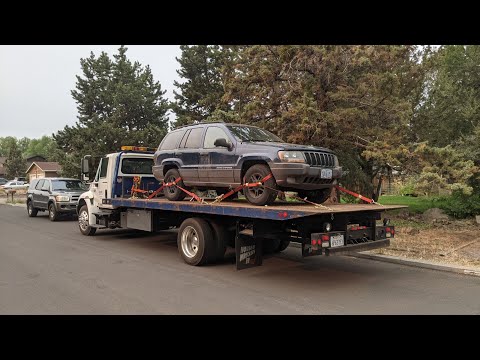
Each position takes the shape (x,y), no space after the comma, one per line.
(412,262)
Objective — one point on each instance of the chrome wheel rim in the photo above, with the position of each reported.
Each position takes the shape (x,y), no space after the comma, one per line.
(189,242)
(83,220)
(51,212)
(30,208)
(256,191)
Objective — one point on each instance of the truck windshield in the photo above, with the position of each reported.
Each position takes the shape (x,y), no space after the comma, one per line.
(251,133)
(59,185)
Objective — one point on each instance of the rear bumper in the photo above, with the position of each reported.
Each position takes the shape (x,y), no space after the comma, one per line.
(303,176)
(377,244)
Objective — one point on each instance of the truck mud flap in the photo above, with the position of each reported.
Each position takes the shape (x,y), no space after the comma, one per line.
(310,250)
(248,251)
(357,247)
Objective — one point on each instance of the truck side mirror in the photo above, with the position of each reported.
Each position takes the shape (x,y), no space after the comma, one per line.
(85,166)
(223,143)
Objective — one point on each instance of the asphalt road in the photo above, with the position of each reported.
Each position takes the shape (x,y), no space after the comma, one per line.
(50,268)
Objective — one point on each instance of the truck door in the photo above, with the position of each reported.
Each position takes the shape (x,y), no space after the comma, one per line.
(100,183)
(44,194)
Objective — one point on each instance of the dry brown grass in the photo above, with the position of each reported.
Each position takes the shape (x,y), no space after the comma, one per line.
(440,243)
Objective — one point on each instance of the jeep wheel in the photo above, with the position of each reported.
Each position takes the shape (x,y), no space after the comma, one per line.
(52,212)
(259,195)
(316,196)
(173,193)
(83,223)
(32,212)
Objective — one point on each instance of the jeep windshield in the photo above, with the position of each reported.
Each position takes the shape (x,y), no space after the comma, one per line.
(67,185)
(251,133)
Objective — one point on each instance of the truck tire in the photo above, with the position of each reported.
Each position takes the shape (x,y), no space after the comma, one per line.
(32,212)
(222,238)
(195,241)
(52,212)
(259,195)
(271,246)
(316,196)
(83,216)
(173,193)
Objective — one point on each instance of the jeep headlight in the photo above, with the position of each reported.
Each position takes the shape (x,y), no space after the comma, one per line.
(62,198)
(337,164)
(291,156)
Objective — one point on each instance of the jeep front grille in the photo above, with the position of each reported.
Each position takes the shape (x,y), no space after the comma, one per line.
(320,159)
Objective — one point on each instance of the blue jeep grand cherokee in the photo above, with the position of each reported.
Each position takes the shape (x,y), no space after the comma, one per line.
(221,156)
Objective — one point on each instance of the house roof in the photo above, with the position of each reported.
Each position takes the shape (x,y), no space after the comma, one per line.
(34,156)
(46,166)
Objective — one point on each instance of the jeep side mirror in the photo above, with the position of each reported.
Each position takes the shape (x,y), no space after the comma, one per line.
(223,143)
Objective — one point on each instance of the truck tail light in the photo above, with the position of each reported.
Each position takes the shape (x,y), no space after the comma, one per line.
(314,242)
(325,238)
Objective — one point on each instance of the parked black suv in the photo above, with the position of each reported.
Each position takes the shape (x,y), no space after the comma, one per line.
(57,195)
(220,156)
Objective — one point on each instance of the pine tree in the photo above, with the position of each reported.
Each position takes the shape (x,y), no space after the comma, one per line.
(14,164)
(203,69)
(118,103)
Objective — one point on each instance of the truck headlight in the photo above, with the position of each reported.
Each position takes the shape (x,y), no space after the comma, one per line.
(291,156)
(62,198)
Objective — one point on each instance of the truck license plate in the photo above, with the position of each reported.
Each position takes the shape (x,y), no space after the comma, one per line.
(337,240)
(326,174)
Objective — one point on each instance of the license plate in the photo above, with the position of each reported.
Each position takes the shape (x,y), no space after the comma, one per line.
(337,240)
(326,174)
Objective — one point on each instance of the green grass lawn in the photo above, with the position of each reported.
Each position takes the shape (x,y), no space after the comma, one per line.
(415,204)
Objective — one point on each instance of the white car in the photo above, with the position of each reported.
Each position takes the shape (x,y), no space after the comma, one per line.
(15,185)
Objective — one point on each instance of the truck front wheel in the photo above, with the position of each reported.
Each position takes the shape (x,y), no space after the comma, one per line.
(83,224)
(195,241)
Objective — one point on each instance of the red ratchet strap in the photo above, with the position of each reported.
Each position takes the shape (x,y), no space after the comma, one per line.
(238,188)
(361,197)
(174,183)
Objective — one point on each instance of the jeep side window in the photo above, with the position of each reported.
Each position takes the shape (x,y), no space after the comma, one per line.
(184,139)
(39,184)
(194,139)
(46,185)
(214,133)
(171,140)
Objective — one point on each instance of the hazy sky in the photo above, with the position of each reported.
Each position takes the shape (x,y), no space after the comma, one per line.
(36,80)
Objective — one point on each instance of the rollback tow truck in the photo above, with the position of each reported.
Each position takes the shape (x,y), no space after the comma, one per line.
(125,194)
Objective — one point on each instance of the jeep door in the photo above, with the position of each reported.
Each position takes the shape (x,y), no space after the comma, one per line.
(189,155)
(36,192)
(44,194)
(217,162)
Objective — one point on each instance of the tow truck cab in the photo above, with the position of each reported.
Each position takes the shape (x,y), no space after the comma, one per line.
(113,179)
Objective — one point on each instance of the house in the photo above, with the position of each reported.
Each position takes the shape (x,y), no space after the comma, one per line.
(2,167)
(42,169)
(37,158)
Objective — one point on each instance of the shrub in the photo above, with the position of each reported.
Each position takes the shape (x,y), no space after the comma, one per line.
(462,206)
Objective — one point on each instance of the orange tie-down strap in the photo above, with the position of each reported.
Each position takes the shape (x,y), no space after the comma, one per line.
(240,187)
(361,197)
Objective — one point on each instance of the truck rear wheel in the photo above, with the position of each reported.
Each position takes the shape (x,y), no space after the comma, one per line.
(83,224)
(173,193)
(259,195)
(195,241)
